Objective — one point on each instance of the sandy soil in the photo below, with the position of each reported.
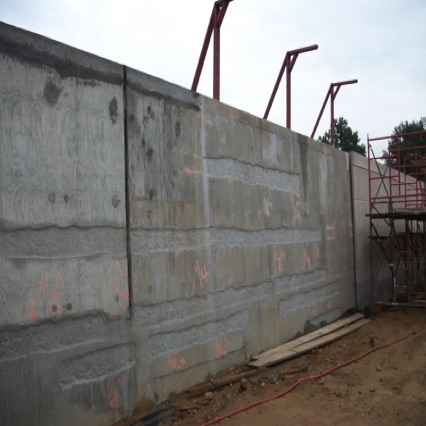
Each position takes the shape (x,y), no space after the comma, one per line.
(386,387)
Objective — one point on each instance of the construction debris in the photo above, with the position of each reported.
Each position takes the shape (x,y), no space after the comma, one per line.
(310,341)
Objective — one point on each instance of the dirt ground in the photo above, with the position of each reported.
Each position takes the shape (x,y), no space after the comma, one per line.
(386,387)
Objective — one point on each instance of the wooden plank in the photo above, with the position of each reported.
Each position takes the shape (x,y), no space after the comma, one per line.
(331,337)
(308,346)
(311,336)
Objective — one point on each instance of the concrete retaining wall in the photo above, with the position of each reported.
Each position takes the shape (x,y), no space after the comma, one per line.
(360,191)
(150,236)
(362,228)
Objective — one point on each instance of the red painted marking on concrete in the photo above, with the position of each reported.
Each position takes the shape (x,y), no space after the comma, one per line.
(296,211)
(220,347)
(202,275)
(267,206)
(122,294)
(329,229)
(110,391)
(306,261)
(44,284)
(174,362)
(32,313)
(113,401)
(317,253)
(278,262)
(53,297)
(56,306)
(192,172)
(118,267)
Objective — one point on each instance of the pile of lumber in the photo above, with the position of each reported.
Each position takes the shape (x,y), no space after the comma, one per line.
(310,341)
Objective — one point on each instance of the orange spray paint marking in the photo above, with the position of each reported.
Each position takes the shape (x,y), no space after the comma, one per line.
(123,295)
(267,205)
(202,275)
(329,229)
(53,297)
(56,306)
(110,392)
(317,253)
(220,350)
(113,402)
(117,265)
(279,262)
(32,313)
(306,261)
(174,363)
(296,211)
(192,172)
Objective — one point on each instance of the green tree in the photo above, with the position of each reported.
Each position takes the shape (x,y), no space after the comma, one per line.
(406,142)
(344,138)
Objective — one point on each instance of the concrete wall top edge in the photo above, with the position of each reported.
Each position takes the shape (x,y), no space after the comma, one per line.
(67,60)
(73,62)
(228,111)
(316,145)
(147,84)
(358,160)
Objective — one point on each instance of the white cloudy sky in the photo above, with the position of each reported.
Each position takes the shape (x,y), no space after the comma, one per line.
(382,43)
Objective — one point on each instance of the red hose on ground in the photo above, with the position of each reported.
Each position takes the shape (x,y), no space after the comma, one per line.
(308,379)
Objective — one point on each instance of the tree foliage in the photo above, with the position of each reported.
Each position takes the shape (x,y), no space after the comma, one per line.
(344,138)
(407,142)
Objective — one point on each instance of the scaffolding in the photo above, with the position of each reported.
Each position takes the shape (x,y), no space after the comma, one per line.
(397,213)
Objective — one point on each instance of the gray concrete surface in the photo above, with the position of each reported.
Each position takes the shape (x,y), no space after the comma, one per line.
(62,219)
(234,235)
(63,256)
(360,193)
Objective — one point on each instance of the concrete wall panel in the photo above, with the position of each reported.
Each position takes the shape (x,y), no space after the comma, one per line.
(63,256)
(237,234)
(259,250)
(360,190)
(62,211)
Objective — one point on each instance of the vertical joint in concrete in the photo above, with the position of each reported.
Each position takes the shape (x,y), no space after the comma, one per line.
(127,194)
(351,184)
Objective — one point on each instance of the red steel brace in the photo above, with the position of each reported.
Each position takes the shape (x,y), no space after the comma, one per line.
(332,93)
(216,19)
(288,63)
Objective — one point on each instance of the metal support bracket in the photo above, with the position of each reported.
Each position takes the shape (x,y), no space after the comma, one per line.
(288,64)
(216,19)
(332,93)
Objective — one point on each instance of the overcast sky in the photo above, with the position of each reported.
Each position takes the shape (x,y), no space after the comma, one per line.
(382,43)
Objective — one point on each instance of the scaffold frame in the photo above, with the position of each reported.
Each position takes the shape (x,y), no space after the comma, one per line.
(397,213)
